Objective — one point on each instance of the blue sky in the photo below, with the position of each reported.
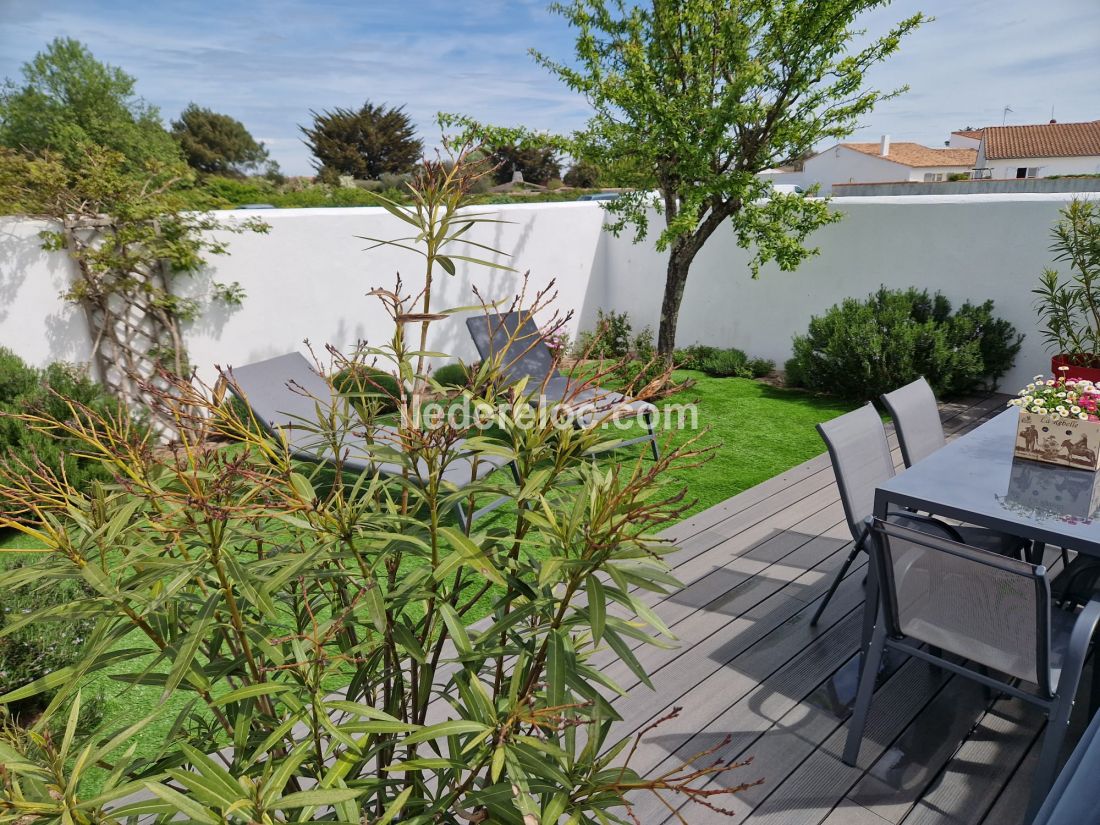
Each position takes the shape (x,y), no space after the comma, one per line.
(268,63)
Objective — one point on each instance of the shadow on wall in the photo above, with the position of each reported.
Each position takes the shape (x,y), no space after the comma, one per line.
(19,252)
(62,329)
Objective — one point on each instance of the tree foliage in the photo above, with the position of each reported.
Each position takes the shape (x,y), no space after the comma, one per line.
(94,160)
(582,174)
(219,144)
(364,143)
(700,97)
(69,101)
(539,164)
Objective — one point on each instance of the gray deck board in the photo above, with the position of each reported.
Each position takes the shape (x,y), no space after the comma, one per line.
(754,681)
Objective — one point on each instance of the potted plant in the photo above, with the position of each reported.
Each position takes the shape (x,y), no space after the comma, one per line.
(1069,308)
(1059,421)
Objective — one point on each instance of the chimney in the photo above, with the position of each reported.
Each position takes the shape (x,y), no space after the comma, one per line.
(517,176)
(884,147)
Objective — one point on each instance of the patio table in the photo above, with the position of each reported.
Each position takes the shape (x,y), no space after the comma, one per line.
(977,480)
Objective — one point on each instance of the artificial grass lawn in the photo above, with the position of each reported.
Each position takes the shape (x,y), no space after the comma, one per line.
(757,431)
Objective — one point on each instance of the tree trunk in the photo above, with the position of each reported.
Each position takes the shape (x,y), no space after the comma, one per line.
(679,262)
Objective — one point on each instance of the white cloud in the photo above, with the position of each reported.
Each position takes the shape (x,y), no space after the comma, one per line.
(269,63)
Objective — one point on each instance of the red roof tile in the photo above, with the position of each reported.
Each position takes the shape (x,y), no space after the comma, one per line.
(1047,140)
(916,154)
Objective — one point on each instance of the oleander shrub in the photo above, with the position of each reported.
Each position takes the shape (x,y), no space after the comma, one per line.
(860,349)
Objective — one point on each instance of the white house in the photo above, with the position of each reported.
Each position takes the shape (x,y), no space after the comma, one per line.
(965,139)
(885,162)
(1039,151)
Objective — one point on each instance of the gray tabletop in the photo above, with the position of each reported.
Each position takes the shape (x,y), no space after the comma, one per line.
(977,480)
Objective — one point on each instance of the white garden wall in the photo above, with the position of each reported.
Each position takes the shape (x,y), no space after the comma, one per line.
(308,278)
(967,246)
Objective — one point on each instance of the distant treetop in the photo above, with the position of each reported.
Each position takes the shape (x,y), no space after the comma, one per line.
(216,143)
(364,143)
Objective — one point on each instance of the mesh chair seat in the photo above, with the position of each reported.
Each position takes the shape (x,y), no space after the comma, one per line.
(916,419)
(941,596)
(593,404)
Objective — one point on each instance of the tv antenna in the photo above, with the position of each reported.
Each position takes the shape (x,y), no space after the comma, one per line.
(1004,115)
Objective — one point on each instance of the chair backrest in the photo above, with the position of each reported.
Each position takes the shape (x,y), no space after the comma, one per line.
(282,392)
(988,608)
(861,462)
(513,339)
(917,420)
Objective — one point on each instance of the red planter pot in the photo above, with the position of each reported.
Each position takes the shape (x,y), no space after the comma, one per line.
(1075,372)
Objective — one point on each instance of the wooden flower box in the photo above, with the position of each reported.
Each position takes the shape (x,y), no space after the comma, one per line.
(1069,442)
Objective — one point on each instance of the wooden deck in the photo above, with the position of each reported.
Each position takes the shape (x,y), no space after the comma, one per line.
(749,668)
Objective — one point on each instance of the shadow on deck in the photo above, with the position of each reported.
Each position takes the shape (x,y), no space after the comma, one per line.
(754,680)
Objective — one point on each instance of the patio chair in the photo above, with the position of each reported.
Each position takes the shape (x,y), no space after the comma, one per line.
(514,341)
(286,395)
(916,419)
(993,612)
(860,454)
(917,422)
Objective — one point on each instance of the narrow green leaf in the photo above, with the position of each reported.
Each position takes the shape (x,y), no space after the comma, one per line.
(556,665)
(317,797)
(455,727)
(395,807)
(597,608)
(181,803)
(456,629)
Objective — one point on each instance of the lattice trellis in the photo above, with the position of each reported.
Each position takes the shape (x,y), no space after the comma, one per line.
(135,334)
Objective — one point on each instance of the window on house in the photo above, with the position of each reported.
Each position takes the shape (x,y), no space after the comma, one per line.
(1027,171)
(932,177)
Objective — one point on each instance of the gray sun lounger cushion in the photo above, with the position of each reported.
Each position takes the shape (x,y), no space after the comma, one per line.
(286,394)
(515,340)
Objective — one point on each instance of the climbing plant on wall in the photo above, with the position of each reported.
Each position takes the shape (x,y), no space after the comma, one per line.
(131,242)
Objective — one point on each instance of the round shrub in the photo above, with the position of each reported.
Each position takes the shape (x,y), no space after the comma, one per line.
(368,386)
(16,378)
(862,349)
(26,390)
(452,375)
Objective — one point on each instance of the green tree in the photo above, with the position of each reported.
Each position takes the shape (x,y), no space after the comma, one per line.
(218,144)
(583,174)
(539,164)
(69,101)
(701,97)
(364,143)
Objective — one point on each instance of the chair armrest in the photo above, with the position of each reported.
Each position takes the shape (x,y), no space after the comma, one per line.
(1078,647)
